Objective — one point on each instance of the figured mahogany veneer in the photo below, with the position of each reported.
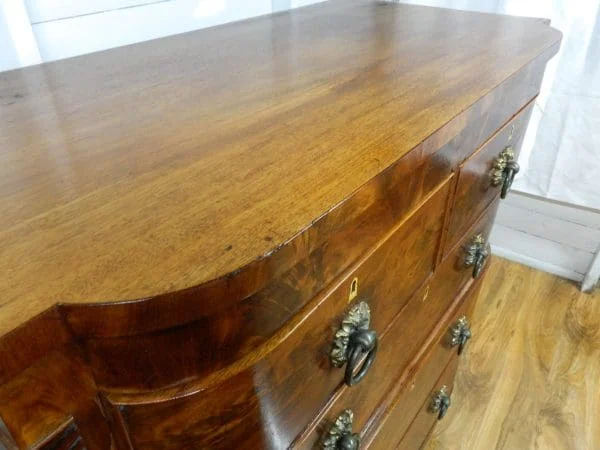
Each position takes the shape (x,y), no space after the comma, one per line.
(413,242)
(183,220)
(425,420)
(415,386)
(404,340)
(172,160)
(475,190)
(39,404)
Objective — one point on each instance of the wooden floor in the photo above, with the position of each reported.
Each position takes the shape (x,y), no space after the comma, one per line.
(531,376)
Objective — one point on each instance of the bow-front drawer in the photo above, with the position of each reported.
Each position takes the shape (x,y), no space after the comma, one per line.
(333,341)
(489,171)
(420,385)
(436,406)
(410,330)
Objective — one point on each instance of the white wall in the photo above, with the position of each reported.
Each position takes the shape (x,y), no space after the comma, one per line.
(551,236)
(34,31)
(18,46)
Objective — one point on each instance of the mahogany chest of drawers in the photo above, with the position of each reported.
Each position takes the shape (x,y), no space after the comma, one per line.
(268,234)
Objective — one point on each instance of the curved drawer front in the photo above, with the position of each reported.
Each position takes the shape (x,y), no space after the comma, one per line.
(272,400)
(400,343)
(335,243)
(482,176)
(419,381)
(428,415)
(469,257)
(130,346)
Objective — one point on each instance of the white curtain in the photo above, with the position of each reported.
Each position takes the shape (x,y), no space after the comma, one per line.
(560,158)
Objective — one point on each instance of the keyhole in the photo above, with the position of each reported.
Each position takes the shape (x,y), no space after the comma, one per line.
(426,294)
(353,290)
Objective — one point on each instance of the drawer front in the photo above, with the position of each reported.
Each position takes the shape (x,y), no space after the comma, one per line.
(271,401)
(428,415)
(400,343)
(482,176)
(470,255)
(156,359)
(416,383)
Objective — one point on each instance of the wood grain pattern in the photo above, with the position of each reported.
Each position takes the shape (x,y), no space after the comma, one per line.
(321,254)
(399,344)
(425,420)
(394,416)
(474,190)
(100,205)
(421,327)
(376,246)
(30,342)
(182,220)
(54,397)
(276,386)
(376,206)
(530,379)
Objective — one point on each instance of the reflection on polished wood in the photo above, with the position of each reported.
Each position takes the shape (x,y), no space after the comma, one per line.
(183,220)
(100,205)
(531,379)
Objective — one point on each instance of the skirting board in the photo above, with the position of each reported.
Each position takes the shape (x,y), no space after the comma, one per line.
(555,237)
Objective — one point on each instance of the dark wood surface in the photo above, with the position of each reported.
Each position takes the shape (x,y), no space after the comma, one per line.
(386,198)
(294,380)
(422,425)
(160,166)
(324,244)
(400,344)
(474,190)
(416,383)
(182,220)
(147,362)
(56,394)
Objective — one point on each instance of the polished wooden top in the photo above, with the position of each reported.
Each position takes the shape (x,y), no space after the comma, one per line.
(162,165)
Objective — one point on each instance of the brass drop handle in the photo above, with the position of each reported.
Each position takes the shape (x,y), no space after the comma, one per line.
(477,252)
(512,168)
(441,402)
(361,342)
(504,169)
(340,436)
(480,262)
(460,333)
(353,341)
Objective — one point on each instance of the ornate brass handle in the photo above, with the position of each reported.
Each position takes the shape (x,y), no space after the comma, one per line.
(477,252)
(460,333)
(441,402)
(504,170)
(353,341)
(361,343)
(340,436)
